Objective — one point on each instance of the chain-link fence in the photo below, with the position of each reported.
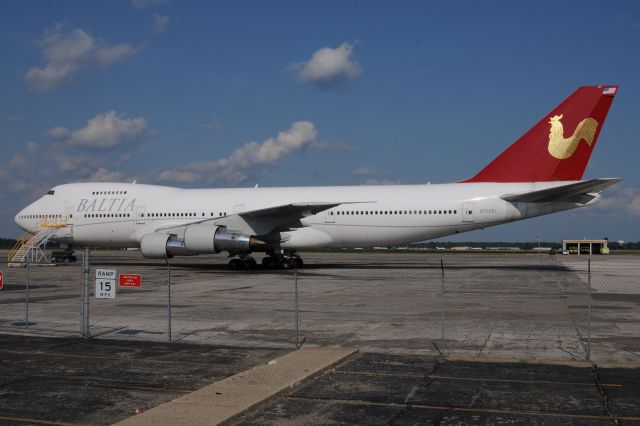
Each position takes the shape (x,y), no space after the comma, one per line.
(470,305)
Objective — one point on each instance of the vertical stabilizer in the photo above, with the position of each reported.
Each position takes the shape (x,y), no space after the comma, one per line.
(558,147)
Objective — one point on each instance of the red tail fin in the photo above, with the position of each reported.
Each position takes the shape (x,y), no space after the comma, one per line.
(559,146)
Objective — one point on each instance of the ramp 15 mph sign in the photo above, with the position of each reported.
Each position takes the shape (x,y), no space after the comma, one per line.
(106,283)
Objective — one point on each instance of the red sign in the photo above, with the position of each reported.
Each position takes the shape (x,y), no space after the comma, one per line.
(130,280)
(1,280)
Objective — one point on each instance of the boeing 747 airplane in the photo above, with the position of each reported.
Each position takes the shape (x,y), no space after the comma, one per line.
(539,174)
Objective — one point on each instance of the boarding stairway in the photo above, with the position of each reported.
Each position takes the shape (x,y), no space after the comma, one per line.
(30,250)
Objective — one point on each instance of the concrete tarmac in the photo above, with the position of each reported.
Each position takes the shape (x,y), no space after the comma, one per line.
(530,307)
(54,381)
(392,389)
(422,321)
(58,381)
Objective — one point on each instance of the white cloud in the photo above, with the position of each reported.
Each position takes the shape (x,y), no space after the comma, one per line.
(18,161)
(110,55)
(76,164)
(329,68)
(11,120)
(32,147)
(58,133)
(247,159)
(66,52)
(366,170)
(327,146)
(105,130)
(160,23)
(617,200)
(179,176)
(105,175)
(123,159)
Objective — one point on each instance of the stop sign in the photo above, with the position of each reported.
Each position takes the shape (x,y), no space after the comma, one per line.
(0,280)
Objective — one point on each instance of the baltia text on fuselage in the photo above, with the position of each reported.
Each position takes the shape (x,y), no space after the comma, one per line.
(539,174)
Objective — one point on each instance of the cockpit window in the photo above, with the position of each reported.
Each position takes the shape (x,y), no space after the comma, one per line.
(51,192)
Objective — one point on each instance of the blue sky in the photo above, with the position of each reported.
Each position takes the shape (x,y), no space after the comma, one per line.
(175,92)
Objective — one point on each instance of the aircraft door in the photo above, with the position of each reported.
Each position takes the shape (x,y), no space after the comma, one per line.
(468,211)
(140,215)
(329,216)
(69,217)
(67,231)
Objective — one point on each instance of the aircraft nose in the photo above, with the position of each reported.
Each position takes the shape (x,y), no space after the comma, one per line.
(20,221)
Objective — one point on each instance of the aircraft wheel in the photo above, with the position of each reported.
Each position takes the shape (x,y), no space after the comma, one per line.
(235,264)
(286,264)
(297,262)
(268,262)
(249,263)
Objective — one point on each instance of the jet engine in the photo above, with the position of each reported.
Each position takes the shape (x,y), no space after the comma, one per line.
(198,239)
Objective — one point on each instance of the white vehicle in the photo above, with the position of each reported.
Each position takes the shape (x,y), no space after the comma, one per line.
(539,174)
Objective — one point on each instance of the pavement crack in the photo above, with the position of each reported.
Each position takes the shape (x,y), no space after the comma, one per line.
(411,394)
(604,396)
(13,382)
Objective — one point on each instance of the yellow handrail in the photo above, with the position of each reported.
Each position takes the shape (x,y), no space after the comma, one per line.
(54,224)
(21,241)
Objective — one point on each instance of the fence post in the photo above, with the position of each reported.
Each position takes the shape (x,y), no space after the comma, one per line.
(295,276)
(168,299)
(83,279)
(84,329)
(589,310)
(26,322)
(442,290)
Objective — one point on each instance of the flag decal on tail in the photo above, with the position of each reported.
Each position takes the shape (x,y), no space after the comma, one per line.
(609,91)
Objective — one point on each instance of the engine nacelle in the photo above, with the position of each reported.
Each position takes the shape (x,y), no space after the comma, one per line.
(154,246)
(198,239)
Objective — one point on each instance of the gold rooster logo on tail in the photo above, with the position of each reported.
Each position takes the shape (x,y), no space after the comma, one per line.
(563,148)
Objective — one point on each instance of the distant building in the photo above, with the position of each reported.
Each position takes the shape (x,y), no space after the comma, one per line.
(585,247)
(542,249)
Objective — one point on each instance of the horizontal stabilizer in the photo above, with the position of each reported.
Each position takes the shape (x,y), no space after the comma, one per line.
(575,192)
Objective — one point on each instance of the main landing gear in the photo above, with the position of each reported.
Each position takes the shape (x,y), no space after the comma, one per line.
(244,261)
(273,261)
(292,261)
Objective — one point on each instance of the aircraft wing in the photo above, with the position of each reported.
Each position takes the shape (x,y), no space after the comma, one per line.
(579,192)
(298,210)
(284,217)
(264,221)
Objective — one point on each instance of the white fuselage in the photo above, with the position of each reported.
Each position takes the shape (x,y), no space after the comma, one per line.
(120,214)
